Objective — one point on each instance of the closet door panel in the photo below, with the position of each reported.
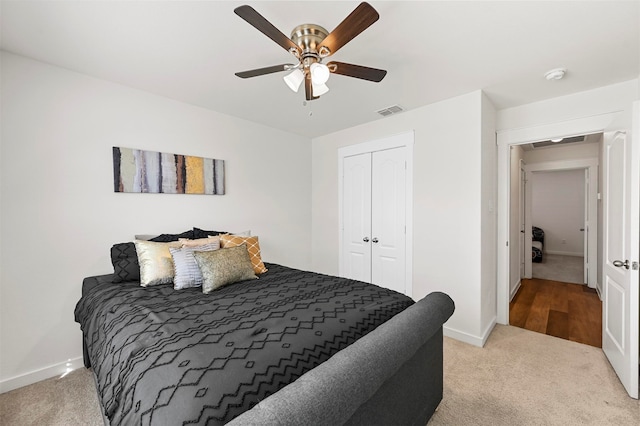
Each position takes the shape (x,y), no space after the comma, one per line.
(388,218)
(356,205)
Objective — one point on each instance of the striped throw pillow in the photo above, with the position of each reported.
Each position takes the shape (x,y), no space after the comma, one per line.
(186,270)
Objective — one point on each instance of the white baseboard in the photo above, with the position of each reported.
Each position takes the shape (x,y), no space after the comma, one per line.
(31,377)
(478,341)
(515,290)
(564,253)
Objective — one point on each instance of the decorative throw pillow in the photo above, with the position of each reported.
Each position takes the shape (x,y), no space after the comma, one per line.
(200,241)
(165,238)
(253,247)
(224,266)
(156,264)
(125,262)
(186,270)
(201,233)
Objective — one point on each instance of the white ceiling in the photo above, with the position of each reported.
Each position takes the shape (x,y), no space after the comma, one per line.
(433,50)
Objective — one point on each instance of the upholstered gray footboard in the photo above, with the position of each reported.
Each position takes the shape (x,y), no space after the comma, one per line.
(393,375)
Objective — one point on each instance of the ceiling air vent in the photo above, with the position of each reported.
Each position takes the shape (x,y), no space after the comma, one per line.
(564,141)
(394,109)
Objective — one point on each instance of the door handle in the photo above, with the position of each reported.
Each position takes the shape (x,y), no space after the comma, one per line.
(375,240)
(620,263)
(365,239)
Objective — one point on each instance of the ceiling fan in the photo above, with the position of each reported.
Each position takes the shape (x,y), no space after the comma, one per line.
(311,44)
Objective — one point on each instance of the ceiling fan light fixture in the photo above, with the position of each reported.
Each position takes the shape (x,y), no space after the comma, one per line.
(319,73)
(319,89)
(294,79)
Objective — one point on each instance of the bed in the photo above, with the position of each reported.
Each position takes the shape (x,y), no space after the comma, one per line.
(292,347)
(537,244)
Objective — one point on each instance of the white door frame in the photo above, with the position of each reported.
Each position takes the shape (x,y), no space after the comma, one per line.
(505,139)
(406,140)
(591,207)
(522,243)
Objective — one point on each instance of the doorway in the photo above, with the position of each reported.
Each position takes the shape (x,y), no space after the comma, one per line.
(558,210)
(621,156)
(561,206)
(558,217)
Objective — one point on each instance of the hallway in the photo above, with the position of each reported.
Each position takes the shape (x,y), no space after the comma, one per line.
(568,311)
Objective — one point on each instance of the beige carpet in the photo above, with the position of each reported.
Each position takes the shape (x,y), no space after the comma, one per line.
(67,401)
(525,378)
(518,378)
(557,267)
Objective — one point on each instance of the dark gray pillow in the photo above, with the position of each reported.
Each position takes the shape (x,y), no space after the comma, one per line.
(167,238)
(124,259)
(201,233)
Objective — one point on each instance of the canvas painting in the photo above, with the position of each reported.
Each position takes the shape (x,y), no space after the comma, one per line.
(135,170)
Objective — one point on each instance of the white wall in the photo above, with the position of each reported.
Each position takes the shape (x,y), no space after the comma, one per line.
(489,152)
(601,100)
(448,189)
(557,206)
(60,215)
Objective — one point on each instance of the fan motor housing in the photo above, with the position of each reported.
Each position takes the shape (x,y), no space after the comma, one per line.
(308,37)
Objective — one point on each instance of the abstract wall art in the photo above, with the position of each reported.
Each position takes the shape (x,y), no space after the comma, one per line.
(135,170)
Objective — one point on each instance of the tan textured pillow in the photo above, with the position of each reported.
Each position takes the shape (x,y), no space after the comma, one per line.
(253,246)
(156,264)
(200,241)
(224,266)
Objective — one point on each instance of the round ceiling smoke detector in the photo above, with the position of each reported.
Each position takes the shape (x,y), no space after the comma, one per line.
(555,74)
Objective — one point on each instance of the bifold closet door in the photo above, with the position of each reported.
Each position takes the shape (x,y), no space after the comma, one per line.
(373,206)
(356,209)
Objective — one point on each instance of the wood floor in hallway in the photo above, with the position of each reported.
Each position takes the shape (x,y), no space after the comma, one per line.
(569,311)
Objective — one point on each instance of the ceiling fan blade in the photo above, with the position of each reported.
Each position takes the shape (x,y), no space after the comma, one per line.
(357,71)
(359,20)
(308,89)
(263,71)
(265,27)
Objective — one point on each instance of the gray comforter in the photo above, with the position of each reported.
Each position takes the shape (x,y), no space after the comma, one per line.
(164,356)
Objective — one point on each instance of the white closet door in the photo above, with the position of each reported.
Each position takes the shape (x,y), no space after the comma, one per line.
(356,250)
(388,219)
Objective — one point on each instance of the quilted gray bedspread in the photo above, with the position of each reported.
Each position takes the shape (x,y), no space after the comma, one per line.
(169,357)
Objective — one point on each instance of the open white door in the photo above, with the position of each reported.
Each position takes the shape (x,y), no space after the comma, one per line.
(620,295)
